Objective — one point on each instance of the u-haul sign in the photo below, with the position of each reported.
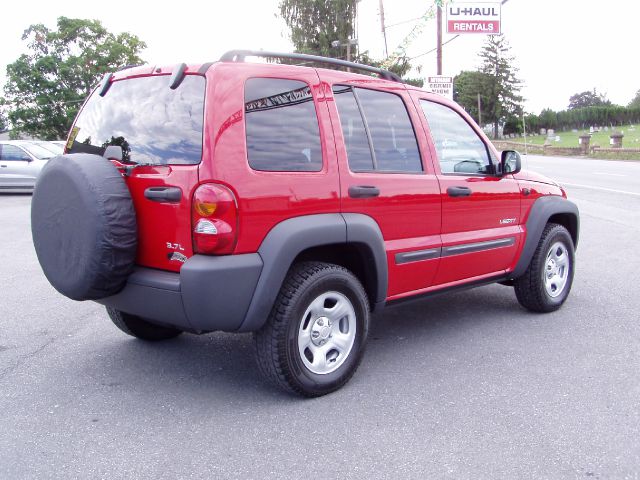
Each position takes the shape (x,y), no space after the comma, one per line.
(463,17)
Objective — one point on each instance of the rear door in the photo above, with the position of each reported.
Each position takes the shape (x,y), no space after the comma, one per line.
(384,175)
(481,230)
(159,130)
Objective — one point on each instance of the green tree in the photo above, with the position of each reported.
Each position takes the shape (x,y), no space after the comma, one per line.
(467,86)
(635,102)
(46,86)
(504,85)
(3,119)
(548,118)
(315,24)
(587,99)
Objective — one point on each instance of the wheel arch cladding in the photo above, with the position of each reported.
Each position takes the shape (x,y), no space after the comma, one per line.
(288,239)
(547,209)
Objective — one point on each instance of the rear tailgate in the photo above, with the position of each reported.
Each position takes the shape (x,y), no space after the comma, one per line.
(159,129)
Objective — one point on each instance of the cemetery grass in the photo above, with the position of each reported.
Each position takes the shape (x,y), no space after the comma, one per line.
(570,139)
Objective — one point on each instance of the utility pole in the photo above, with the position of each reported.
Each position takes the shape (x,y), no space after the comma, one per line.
(439,35)
(384,30)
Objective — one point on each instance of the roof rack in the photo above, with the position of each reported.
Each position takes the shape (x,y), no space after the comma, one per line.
(239,55)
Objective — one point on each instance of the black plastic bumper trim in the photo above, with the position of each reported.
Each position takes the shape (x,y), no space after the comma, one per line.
(478,246)
(417,255)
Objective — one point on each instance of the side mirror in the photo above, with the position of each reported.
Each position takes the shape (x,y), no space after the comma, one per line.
(510,163)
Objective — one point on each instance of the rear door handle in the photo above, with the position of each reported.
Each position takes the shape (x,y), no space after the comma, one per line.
(163,194)
(363,191)
(459,191)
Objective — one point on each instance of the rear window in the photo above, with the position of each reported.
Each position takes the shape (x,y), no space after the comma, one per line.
(151,122)
(282,126)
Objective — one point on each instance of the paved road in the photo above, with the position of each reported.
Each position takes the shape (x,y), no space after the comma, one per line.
(465,385)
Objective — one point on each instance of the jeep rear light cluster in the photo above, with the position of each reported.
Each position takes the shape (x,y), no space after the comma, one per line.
(214,218)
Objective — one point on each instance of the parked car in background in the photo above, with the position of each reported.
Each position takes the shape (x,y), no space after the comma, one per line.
(54,147)
(20,164)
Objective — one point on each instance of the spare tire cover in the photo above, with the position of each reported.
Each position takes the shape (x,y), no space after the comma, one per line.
(84,226)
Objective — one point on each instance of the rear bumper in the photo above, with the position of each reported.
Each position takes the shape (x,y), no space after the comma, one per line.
(209,293)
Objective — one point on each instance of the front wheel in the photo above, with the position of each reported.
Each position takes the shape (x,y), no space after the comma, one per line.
(315,336)
(546,283)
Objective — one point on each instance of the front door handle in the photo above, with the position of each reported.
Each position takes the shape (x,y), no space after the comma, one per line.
(459,191)
(363,191)
(163,194)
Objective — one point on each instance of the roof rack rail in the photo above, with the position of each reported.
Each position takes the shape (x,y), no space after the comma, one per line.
(239,55)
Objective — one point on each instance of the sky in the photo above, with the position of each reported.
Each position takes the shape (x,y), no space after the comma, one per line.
(561,47)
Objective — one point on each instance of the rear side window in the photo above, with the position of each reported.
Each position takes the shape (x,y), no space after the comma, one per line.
(282,126)
(377,131)
(10,152)
(150,121)
(460,149)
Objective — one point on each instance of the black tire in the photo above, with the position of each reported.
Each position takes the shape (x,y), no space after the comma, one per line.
(277,344)
(84,226)
(139,328)
(531,289)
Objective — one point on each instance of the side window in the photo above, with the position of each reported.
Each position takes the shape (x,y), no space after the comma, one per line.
(377,131)
(353,130)
(459,148)
(11,152)
(281,125)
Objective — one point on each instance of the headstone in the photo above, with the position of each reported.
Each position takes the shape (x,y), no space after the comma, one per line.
(574,130)
(583,142)
(591,129)
(543,131)
(615,140)
(557,138)
(606,129)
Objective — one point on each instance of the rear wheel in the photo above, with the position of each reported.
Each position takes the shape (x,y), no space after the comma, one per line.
(139,328)
(315,336)
(546,284)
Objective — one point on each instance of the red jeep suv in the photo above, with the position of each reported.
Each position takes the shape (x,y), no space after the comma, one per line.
(292,202)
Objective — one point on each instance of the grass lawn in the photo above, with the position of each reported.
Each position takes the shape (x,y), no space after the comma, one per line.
(570,139)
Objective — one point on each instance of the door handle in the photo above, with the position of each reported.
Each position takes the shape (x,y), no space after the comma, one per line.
(3,166)
(163,194)
(363,191)
(459,191)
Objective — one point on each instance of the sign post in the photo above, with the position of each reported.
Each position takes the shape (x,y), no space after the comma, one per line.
(474,17)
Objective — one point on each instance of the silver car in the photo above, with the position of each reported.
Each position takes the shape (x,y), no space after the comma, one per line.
(20,164)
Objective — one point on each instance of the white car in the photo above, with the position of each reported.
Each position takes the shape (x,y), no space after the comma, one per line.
(20,164)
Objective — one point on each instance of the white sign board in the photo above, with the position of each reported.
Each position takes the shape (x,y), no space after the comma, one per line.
(473,17)
(441,85)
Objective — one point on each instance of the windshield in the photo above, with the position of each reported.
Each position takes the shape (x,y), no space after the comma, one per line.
(52,147)
(38,152)
(151,122)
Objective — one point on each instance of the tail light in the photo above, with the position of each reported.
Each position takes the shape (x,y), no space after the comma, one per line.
(214,218)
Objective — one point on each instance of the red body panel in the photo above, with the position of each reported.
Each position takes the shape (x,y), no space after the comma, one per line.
(264,198)
(408,209)
(163,228)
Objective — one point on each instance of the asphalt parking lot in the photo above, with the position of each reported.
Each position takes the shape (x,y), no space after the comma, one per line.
(463,385)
